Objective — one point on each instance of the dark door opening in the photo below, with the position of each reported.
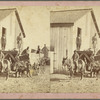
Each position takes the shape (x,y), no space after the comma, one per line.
(3,31)
(78,39)
(79,32)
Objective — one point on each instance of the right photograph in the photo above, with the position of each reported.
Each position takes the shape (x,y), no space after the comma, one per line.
(75,50)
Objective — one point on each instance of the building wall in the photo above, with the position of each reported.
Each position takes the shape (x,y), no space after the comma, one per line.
(12,30)
(17,32)
(9,25)
(88,31)
(60,43)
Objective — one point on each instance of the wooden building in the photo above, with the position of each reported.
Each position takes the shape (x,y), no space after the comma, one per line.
(10,24)
(65,26)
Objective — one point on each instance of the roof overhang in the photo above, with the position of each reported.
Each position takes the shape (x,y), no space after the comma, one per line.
(61,24)
(70,16)
(95,22)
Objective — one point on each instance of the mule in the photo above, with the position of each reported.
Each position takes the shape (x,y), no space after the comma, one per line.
(22,67)
(67,65)
(95,67)
(74,70)
(6,67)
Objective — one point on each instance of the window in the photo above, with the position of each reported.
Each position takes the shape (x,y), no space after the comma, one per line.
(79,32)
(3,31)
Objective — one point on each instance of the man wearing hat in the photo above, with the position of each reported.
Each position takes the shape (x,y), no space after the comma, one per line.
(94,42)
(3,41)
(78,42)
(45,51)
(75,58)
(1,56)
(19,42)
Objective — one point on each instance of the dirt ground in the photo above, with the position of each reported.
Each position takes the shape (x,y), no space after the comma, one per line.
(63,84)
(36,84)
(49,83)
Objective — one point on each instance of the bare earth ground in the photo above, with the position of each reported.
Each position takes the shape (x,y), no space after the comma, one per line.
(37,84)
(41,84)
(63,84)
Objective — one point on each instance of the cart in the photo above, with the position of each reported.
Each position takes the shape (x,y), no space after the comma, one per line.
(85,54)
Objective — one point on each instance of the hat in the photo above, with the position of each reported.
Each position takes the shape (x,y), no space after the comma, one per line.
(74,50)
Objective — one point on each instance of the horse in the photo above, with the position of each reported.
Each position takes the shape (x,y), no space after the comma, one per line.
(73,70)
(20,67)
(67,65)
(95,67)
(5,67)
(81,67)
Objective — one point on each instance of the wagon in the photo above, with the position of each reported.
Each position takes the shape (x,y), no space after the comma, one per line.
(12,55)
(85,54)
(24,57)
(86,57)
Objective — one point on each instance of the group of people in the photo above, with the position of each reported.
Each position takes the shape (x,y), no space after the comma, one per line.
(44,50)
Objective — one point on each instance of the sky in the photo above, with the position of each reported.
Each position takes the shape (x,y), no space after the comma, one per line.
(36,22)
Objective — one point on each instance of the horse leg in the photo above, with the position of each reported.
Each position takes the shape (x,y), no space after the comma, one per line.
(75,68)
(71,73)
(91,74)
(81,75)
(27,71)
(7,75)
(19,73)
(16,74)
(97,75)
(81,71)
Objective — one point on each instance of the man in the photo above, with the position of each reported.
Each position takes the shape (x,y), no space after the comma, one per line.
(78,42)
(75,59)
(25,54)
(38,50)
(3,41)
(94,42)
(1,60)
(45,51)
(25,51)
(64,59)
(1,56)
(19,42)
(67,64)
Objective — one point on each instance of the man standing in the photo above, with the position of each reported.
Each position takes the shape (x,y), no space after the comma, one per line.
(1,56)
(3,41)
(78,42)
(94,42)
(45,51)
(19,42)
(38,50)
(75,60)
(25,51)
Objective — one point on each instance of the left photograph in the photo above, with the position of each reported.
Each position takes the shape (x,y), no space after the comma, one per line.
(24,52)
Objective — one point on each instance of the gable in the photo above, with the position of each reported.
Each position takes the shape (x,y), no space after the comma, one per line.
(6,12)
(69,16)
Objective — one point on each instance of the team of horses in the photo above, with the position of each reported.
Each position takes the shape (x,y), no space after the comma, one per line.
(20,67)
(83,68)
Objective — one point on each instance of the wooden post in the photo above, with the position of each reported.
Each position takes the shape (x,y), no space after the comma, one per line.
(51,62)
